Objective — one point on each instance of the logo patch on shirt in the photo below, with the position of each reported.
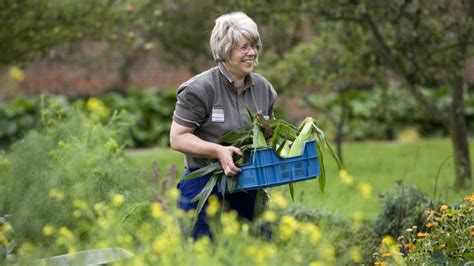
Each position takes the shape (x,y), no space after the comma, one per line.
(217,114)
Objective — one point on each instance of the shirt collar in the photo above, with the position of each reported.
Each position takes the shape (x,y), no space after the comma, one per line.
(248,79)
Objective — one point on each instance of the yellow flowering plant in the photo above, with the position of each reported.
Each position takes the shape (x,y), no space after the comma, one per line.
(447,236)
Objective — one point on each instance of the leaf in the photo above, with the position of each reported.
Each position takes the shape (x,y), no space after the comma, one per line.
(231,181)
(204,195)
(322,176)
(204,171)
(276,136)
(292,192)
(234,135)
(324,142)
(258,137)
(250,114)
(223,184)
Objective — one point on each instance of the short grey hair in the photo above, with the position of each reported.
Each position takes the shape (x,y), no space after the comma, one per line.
(229,29)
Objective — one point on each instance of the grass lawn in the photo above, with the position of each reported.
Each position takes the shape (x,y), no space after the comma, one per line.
(378,164)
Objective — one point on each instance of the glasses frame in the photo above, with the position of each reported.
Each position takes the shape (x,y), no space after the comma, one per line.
(245,49)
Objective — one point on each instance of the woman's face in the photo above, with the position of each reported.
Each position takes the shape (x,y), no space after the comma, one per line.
(242,58)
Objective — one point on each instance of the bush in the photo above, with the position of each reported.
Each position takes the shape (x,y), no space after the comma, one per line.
(354,240)
(65,169)
(447,236)
(149,114)
(402,208)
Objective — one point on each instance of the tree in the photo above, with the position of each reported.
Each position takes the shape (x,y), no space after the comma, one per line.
(334,63)
(31,28)
(426,43)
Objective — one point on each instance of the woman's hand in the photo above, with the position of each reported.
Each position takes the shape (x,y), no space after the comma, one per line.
(225,155)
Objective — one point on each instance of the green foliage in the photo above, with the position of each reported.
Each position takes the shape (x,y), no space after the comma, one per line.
(348,235)
(150,111)
(32,28)
(445,238)
(148,114)
(402,208)
(69,166)
(16,116)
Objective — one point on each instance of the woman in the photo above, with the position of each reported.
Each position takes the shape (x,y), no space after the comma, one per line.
(214,103)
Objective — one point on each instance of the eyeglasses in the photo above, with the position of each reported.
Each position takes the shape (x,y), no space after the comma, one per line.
(246,48)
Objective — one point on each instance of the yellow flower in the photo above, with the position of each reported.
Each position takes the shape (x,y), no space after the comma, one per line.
(442,245)
(96,106)
(156,210)
(410,247)
(118,200)
(312,231)
(279,201)
(345,177)
(202,245)
(79,204)
(429,224)
(230,223)
(16,73)
(6,228)
(48,230)
(388,241)
(144,232)
(66,233)
(316,263)
(443,207)
(469,198)
(245,228)
(160,244)
(356,255)
(212,206)
(56,194)
(287,227)
(269,216)
(365,189)
(100,207)
(3,240)
(422,234)
(261,253)
(328,252)
(173,194)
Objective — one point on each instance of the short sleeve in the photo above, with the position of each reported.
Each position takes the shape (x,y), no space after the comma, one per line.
(191,108)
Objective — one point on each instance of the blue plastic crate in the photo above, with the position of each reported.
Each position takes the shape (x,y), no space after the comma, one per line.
(266,169)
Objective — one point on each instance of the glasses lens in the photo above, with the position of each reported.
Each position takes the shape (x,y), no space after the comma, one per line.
(245,49)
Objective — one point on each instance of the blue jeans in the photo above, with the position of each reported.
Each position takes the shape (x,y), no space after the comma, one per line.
(242,202)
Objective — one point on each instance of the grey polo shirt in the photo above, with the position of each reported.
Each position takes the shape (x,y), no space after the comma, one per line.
(210,104)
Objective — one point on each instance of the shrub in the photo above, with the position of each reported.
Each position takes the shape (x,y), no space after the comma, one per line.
(65,169)
(354,240)
(446,237)
(402,207)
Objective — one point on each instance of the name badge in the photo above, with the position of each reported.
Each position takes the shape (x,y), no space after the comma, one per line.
(217,114)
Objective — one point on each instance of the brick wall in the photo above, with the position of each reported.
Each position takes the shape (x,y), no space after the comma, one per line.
(73,76)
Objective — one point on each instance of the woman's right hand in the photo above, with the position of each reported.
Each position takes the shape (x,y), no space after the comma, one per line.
(225,155)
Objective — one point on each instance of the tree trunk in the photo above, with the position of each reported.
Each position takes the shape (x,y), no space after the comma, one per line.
(459,138)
